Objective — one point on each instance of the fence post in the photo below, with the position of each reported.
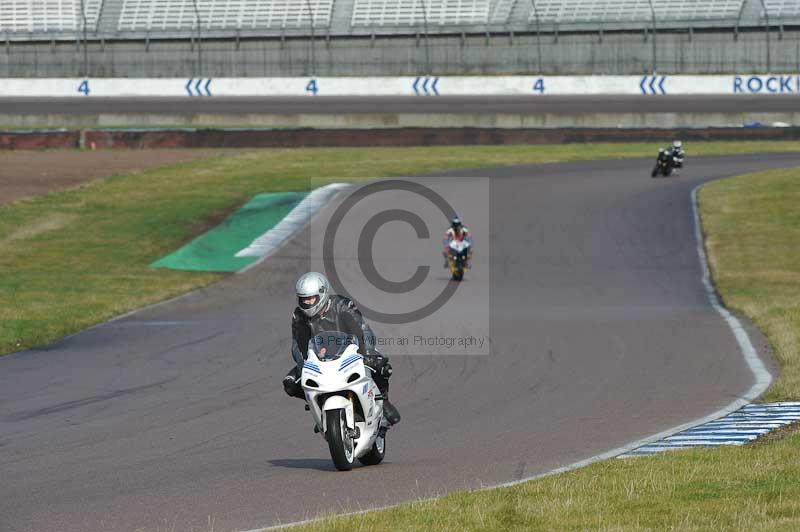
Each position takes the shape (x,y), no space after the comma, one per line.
(199,71)
(766,29)
(313,41)
(538,36)
(85,44)
(653,15)
(427,42)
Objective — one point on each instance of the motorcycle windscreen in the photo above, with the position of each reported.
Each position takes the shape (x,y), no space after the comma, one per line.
(458,246)
(330,345)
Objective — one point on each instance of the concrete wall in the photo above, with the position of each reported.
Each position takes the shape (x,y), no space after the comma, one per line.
(217,138)
(380,121)
(578,53)
(420,86)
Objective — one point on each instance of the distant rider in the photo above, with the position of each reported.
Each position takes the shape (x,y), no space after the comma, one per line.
(319,310)
(677,153)
(459,232)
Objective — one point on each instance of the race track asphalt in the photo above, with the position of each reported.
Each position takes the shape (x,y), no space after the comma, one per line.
(569,105)
(173,418)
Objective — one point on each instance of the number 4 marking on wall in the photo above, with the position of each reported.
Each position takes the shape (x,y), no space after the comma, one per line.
(312,87)
(538,86)
(84,87)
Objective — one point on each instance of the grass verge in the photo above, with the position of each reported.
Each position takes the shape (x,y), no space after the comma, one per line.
(75,258)
(745,488)
(752,228)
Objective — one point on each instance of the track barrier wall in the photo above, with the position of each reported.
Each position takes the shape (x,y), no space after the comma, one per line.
(421,86)
(288,138)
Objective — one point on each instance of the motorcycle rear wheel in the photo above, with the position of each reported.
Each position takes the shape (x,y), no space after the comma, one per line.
(341,445)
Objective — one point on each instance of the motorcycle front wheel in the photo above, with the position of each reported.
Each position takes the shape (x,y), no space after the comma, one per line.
(376,454)
(340,442)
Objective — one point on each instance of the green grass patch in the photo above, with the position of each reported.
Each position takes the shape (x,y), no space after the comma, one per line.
(75,258)
(752,227)
(741,488)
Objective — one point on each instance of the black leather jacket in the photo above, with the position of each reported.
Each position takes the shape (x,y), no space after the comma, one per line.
(340,314)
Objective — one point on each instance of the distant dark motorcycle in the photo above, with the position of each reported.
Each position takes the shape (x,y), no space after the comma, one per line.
(666,164)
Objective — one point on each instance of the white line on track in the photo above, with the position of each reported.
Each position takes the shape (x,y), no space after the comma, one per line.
(762,376)
(266,244)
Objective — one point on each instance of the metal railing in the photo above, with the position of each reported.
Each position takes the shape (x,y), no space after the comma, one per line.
(525,43)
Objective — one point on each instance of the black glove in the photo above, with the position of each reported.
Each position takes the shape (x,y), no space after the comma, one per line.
(291,386)
(379,364)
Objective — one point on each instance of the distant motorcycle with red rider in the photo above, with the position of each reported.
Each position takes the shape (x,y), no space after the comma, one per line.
(457,249)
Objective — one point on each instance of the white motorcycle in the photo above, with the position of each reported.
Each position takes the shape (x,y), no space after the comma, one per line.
(343,400)
(457,258)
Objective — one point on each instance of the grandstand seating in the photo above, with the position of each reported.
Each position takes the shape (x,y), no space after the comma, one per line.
(148,15)
(415,12)
(502,10)
(602,11)
(47,15)
(61,19)
(783,8)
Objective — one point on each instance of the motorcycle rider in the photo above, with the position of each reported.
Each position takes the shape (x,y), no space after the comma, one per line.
(457,231)
(677,153)
(672,157)
(318,310)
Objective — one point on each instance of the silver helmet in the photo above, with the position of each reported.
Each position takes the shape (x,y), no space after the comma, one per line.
(677,144)
(313,284)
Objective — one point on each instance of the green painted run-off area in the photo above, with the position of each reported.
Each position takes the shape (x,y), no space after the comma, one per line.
(215,250)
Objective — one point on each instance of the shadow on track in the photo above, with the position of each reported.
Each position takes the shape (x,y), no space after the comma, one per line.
(304,463)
